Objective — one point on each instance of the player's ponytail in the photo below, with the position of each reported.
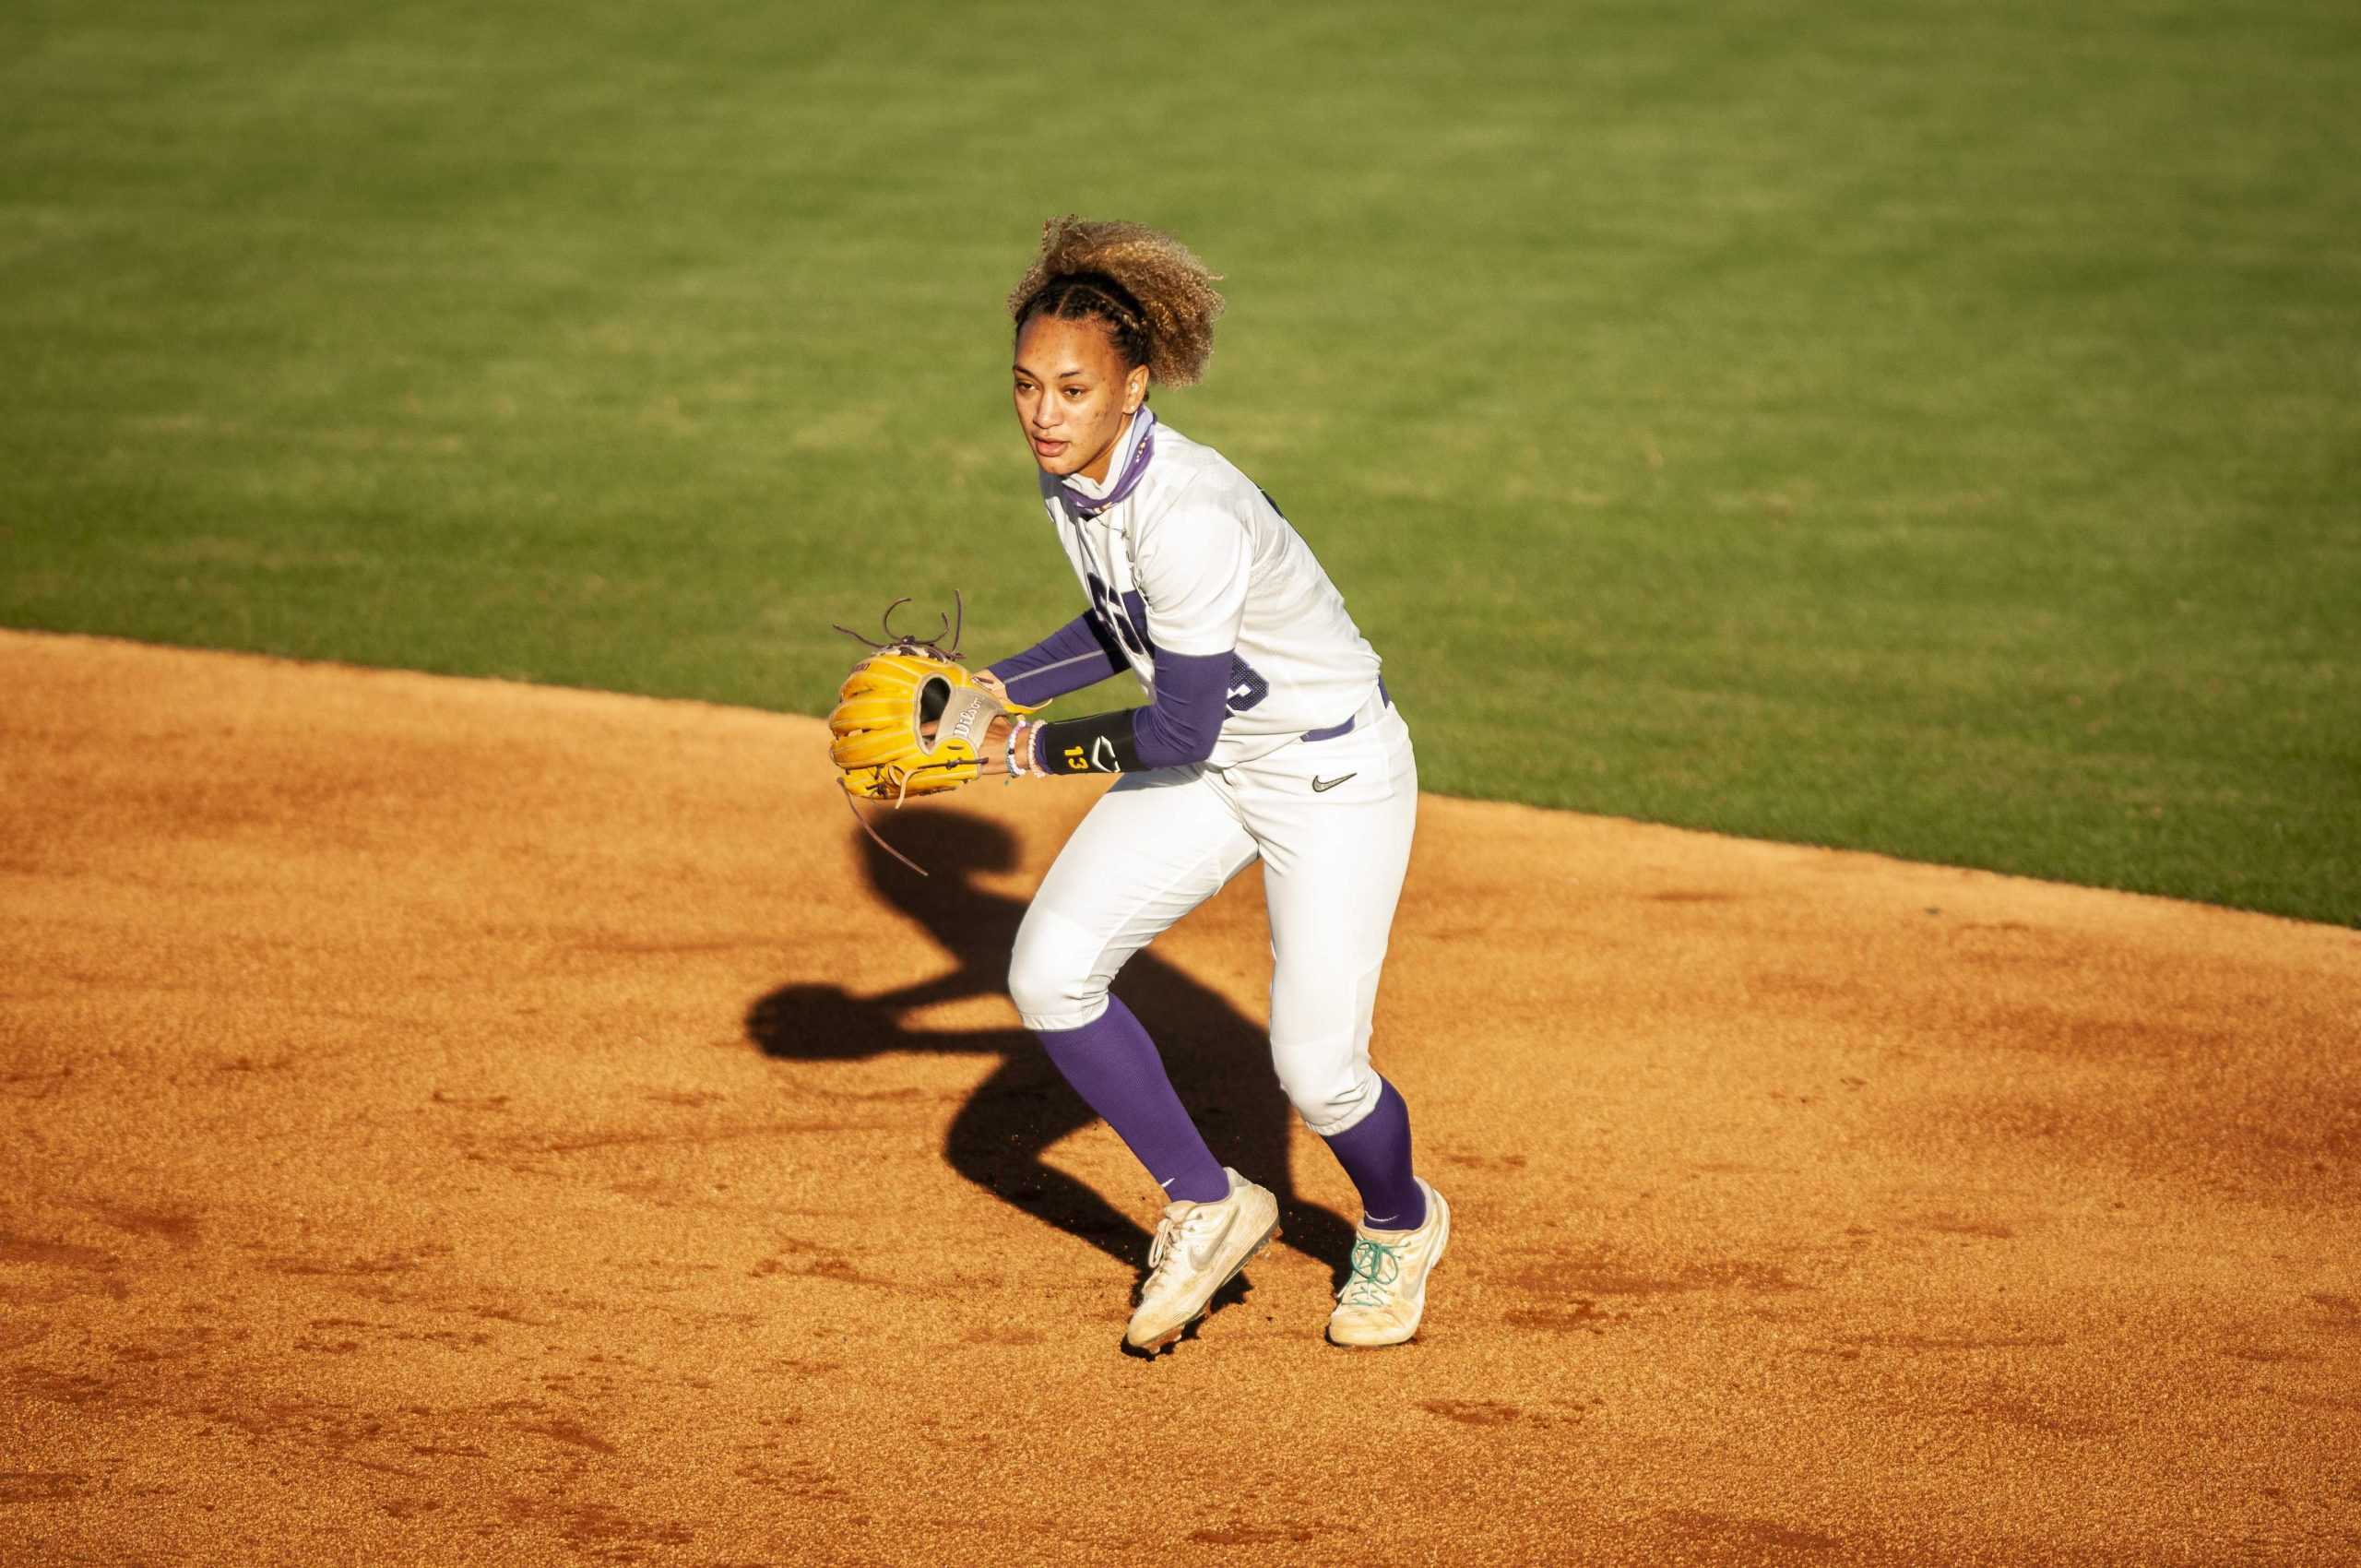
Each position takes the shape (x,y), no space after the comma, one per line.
(1157,298)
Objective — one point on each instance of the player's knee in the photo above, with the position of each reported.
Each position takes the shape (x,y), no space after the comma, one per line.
(1320,1034)
(1331,1088)
(1052,978)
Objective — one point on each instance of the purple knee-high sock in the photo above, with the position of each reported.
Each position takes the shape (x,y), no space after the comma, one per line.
(1114,1066)
(1375,1152)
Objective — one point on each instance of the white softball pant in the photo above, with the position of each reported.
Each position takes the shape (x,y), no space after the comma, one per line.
(1331,822)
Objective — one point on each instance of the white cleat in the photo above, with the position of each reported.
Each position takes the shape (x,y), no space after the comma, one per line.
(1386,1293)
(1199,1247)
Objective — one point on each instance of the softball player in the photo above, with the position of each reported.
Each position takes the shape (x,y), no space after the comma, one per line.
(1269,735)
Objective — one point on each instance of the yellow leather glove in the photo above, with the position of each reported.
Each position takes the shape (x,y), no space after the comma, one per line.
(909,722)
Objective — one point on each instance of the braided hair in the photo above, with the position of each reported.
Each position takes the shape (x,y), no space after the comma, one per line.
(1156,299)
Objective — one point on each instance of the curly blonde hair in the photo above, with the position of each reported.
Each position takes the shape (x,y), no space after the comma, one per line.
(1157,299)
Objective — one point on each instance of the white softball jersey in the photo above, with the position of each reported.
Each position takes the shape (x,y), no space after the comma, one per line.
(1312,774)
(1196,560)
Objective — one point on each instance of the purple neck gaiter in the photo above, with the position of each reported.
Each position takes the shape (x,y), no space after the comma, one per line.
(1134,469)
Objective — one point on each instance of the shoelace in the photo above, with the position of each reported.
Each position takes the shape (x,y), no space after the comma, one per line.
(1376,1269)
(1170,1231)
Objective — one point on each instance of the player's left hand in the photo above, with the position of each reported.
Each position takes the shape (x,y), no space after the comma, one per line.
(998,690)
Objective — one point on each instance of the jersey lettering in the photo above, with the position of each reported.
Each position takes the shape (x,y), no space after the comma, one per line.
(1247,687)
(1135,610)
(1295,660)
(1126,617)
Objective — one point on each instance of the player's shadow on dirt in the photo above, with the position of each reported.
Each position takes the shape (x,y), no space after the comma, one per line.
(1219,1060)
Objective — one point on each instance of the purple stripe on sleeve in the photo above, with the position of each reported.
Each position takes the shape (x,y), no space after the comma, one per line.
(1078,654)
(1192,699)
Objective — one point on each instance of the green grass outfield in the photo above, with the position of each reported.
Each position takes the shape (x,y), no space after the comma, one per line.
(1928,427)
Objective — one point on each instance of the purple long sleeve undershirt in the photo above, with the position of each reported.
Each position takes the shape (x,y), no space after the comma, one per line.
(1080,653)
(1192,699)
(1192,690)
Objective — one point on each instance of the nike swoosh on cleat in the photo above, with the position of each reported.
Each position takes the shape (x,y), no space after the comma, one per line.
(1322,785)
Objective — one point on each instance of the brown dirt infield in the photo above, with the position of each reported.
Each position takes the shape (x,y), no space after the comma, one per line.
(452,1121)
